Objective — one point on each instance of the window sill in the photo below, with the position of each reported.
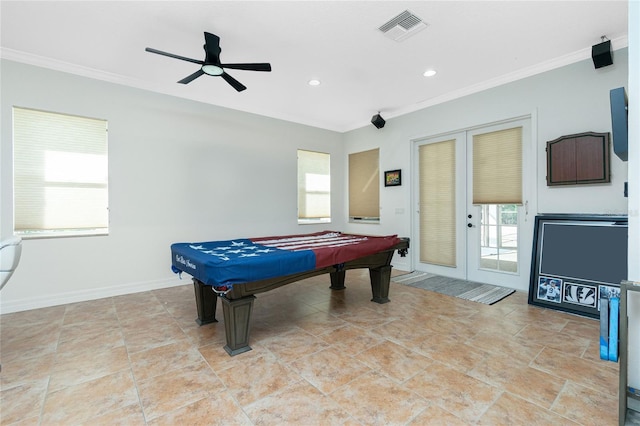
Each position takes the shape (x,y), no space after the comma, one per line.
(37,235)
(369,220)
(313,221)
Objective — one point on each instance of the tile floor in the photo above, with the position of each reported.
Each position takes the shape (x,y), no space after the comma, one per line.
(319,357)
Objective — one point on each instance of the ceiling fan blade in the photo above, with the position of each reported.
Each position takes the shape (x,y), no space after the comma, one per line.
(191,77)
(249,67)
(212,48)
(232,81)
(171,55)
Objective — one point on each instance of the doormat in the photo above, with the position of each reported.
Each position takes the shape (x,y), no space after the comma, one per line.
(468,290)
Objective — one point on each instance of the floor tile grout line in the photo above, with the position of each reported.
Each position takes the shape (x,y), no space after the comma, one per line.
(133,376)
(52,369)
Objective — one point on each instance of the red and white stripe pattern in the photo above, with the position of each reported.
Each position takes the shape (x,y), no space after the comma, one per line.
(329,247)
(311,242)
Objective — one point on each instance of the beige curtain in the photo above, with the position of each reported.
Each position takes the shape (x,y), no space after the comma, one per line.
(438,203)
(60,172)
(364,185)
(497,167)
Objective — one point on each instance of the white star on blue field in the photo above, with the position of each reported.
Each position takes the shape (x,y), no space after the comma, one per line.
(235,250)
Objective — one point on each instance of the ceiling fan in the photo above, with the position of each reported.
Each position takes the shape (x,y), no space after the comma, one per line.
(211,64)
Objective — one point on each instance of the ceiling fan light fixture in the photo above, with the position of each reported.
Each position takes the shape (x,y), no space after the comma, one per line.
(211,69)
(212,65)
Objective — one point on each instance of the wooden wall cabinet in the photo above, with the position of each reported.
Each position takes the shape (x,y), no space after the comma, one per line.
(582,158)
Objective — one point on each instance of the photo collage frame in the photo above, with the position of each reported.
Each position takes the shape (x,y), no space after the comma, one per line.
(557,290)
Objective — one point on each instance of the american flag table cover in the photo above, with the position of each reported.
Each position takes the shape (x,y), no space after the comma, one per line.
(222,264)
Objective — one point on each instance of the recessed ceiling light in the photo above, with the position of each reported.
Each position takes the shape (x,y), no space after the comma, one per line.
(314,82)
(429,73)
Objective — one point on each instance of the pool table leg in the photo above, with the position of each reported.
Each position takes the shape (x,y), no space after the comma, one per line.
(237,323)
(337,279)
(206,301)
(380,278)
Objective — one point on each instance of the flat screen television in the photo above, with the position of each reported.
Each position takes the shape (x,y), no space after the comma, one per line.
(619,122)
(576,260)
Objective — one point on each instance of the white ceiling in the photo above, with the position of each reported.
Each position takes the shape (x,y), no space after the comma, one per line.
(473,45)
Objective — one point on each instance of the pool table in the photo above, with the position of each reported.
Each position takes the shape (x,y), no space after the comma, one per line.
(237,299)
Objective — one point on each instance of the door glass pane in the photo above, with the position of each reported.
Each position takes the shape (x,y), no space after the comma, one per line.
(499,237)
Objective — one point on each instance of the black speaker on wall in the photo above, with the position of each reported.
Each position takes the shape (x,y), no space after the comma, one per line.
(601,54)
(378,121)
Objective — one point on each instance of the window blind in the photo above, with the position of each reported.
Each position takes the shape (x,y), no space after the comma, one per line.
(364,185)
(438,203)
(314,185)
(60,173)
(497,167)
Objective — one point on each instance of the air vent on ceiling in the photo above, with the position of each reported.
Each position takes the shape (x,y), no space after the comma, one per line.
(402,26)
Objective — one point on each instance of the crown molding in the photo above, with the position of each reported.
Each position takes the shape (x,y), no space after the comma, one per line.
(571,58)
(54,64)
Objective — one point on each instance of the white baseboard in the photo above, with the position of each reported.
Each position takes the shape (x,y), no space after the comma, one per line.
(402,264)
(46,301)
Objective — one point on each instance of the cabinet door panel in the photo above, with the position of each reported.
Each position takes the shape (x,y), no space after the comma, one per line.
(562,162)
(590,160)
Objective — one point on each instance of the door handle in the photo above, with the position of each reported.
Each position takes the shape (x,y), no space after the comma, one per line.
(469,225)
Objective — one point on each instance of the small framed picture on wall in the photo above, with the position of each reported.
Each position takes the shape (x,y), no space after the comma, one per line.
(392,178)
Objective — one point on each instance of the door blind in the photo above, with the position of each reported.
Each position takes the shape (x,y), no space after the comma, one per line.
(497,167)
(438,203)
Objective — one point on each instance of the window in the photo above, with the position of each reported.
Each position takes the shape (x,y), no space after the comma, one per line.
(364,186)
(60,174)
(314,187)
(499,237)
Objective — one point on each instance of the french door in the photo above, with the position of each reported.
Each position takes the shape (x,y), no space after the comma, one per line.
(472,203)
